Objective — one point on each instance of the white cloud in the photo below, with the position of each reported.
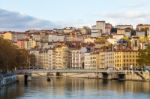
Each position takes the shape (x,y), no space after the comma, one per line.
(133,17)
(128,15)
(16,21)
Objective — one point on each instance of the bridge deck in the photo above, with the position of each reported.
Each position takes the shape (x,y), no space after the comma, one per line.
(70,71)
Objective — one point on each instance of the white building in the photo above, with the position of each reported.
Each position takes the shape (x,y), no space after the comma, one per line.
(91,60)
(100,25)
(109,59)
(55,38)
(87,61)
(98,29)
(124,26)
(76,58)
(44,58)
(140,34)
(36,53)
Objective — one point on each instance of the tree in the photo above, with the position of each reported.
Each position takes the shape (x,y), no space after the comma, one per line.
(22,58)
(32,60)
(11,56)
(144,57)
(133,32)
(114,30)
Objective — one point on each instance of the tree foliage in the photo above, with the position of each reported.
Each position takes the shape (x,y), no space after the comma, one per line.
(144,57)
(11,56)
(32,60)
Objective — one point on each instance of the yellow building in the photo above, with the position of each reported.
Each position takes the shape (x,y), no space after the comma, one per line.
(31,43)
(117,59)
(125,59)
(141,27)
(121,31)
(101,60)
(8,35)
(91,60)
(89,40)
(95,60)
(144,27)
(61,57)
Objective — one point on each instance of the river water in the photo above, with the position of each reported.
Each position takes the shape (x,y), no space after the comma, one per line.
(76,88)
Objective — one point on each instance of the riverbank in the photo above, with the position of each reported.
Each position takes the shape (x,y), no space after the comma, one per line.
(7,78)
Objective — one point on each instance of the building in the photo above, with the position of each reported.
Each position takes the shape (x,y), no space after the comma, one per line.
(101,60)
(124,26)
(95,32)
(31,43)
(106,59)
(108,28)
(76,58)
(128,34)
(140,33)
(51,59)
(89,40)
(61,57)
(125,59)
(22,43)
(118,59)
(68,30)
(36,36)
(100,28)
(109,59)
(135,43)
(87,61)
(91,60)
(100,25)
(8,36)
(56,38)
(121,31)
(94,60)
(20,36)
(142,27)
(44,58)
(118,36)
(85,30)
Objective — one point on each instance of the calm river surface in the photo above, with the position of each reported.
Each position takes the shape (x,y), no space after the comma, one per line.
(76,88)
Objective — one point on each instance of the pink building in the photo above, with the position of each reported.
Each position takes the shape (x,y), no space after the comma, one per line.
(21,43)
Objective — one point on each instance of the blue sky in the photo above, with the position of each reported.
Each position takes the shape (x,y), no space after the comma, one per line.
(80,12)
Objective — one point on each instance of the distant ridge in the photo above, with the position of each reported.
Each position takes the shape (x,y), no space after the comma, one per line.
(13,21)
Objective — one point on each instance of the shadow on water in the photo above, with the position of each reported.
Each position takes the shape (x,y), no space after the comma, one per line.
(105,81)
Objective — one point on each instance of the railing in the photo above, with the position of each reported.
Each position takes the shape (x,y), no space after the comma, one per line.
(72,71)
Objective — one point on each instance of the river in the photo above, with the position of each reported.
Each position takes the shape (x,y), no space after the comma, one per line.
(76,88)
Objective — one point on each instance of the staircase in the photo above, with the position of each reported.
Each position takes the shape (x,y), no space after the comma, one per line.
(140,75)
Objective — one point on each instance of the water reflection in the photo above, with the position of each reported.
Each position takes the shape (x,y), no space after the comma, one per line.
(76,88)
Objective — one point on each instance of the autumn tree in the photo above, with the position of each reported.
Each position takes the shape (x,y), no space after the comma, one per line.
(144,57)
(11,56)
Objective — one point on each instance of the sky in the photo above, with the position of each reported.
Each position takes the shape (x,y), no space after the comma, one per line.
(39,14)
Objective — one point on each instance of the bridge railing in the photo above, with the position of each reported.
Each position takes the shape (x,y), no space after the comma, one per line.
(71,71)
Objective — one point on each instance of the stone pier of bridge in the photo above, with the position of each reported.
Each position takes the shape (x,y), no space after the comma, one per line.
(113,76)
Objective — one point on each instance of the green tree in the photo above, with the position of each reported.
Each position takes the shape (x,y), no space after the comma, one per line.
(32,60)
(144,57)
(11,56)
